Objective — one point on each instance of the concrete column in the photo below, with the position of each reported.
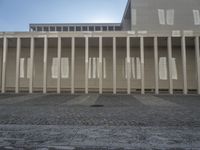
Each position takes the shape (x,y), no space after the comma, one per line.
(59,65)
(5,47)
(101,28)
(128,65)
(156,65)
(45,65)
(142,64)
(114,67)
(100,65)
(184,66)
(72,65)
(31,65)
(17,65)
(197,62)
(86,64)
(169,45)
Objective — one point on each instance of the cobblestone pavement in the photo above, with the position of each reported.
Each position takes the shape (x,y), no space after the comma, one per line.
(72,122)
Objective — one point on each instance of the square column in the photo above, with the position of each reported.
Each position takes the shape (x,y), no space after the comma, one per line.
(183,52)
(86,64)
(128,65)
(45,65)
(31,65)
(114,67)
(156,65)
(5,47)
(17,65)
(100,65)
(59,65)
(72,65)
(142,63)
(197,62)
(169,45)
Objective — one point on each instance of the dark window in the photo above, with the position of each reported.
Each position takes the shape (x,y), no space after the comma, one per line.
(78,28)
(117,28)
(33,28)
(52,28)
(110,28)
(58,29)
(97,28)
(65,28)
(71,28)
(84,28)
(46,29)
(39,28)
(104,28)
(91,28)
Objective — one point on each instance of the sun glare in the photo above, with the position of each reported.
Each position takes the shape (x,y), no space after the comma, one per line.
(102,20)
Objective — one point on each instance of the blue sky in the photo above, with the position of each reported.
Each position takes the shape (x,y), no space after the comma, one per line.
(15,15)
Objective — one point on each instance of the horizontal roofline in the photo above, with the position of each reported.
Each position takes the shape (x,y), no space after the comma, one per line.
(75,24)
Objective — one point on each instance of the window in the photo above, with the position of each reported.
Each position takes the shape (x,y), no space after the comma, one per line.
(28,68)
(133,15)
(110,28)
(71,28)
(54,68)
(39,29)
(196,17)
(97,28)
(104,28)
(163,68)
(59,29)
(46,29)
(163,72)
(52,28)
(22,68)
(135,68)
(33,29)
(84,28)
(93,68)
(65,28)
(166,17)
(64,68)
(91,28)
(117,28)
(78,28)
(170,17)
(161,16)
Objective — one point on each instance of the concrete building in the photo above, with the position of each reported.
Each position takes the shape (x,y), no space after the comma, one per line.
(154,49)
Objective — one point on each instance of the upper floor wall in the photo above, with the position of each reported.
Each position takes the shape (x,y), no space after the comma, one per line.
(142,15)
(162,15)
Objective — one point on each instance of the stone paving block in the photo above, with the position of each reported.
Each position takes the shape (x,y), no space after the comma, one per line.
(124,122)
(19,99)
(154,101)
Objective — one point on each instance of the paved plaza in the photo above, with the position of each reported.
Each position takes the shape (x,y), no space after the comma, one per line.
(99,122)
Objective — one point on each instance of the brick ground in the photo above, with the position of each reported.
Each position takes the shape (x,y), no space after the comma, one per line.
(125,122)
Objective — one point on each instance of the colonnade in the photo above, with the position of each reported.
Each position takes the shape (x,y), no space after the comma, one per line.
(155,43)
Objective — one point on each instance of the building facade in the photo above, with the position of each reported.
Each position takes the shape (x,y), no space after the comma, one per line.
(154,49)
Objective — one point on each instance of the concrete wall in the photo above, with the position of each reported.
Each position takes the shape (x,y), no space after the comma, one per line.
(147,14)
(108,55)
(1,59)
